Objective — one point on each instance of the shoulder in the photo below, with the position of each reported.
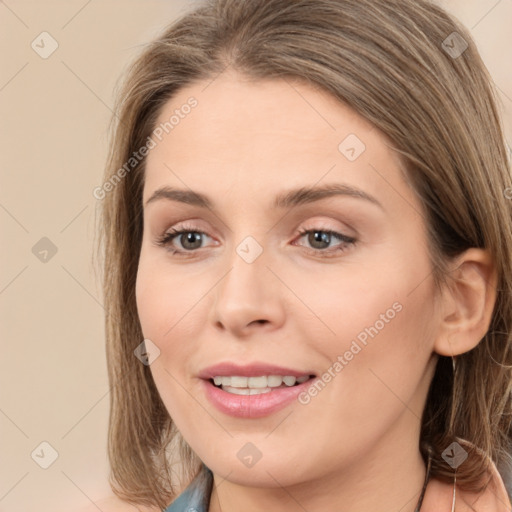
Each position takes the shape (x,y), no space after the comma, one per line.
(115,504)
(494,498)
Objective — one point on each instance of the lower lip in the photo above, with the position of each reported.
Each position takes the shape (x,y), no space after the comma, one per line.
(253,406)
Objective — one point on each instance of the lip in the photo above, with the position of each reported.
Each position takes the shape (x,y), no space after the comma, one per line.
(253,406)
(255,369)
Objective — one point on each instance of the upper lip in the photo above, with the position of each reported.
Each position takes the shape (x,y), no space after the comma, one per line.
(249,370)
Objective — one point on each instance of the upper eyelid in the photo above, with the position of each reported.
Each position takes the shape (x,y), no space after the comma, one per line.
(175,231)
(321,225)
(325,200)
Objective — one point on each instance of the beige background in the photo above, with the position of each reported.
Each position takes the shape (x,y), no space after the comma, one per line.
(55,112)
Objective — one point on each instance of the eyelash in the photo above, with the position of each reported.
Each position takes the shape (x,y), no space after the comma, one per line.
(167,238)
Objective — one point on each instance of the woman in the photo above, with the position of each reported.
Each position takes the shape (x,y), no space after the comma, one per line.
(308,254)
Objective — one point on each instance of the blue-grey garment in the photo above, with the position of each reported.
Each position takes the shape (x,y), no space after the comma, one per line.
(196,497)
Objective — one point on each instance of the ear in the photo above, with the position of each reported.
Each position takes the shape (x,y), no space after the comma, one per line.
(466,303)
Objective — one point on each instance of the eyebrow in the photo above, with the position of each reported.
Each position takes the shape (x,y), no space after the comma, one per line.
(288,199)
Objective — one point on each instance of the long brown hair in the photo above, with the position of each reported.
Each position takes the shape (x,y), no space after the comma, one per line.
(414,72)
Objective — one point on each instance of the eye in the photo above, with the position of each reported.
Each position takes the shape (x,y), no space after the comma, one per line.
(320,240)
(189,238)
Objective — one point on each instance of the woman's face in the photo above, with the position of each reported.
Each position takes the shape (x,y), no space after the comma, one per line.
(247,286)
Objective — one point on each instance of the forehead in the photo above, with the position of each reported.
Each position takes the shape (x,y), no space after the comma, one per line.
(266,134)
(235,104)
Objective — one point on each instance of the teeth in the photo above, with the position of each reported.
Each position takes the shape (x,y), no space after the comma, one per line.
(236,382)
(261,383)
(289,381)
(274,381)
(245,391)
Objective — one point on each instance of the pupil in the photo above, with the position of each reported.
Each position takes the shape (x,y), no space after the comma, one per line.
(319,236)
(190,238)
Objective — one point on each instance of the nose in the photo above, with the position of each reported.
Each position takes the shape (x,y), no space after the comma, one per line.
(249,297)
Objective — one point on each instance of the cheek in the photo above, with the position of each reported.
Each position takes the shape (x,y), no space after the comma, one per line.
(166,315)
(165,298)
(360,301)
(377,323)
(171,313)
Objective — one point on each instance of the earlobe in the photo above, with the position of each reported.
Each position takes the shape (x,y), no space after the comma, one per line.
(467,303)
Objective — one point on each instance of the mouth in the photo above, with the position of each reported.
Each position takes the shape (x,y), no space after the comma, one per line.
(257,385)
(253,390)
(256,396)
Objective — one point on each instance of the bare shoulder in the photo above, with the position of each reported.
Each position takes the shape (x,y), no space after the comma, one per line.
(492,499)
(115,504)
(439,496)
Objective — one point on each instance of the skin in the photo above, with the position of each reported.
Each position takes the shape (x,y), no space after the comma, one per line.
(354,447)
